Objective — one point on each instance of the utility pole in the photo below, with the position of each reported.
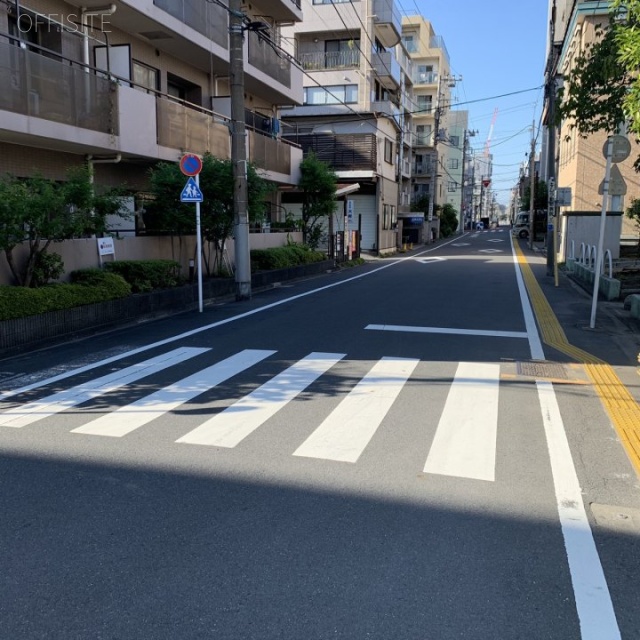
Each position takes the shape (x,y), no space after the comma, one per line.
(532,186)
(552,220)
(465,191)
(239,151)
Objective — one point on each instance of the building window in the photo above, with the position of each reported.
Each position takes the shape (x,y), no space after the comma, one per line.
(388,151)
(145,76)
(331,1)
(453,163)
(335,94)
(452,187)
(410,43)
(424,103)
(389,217)
(454,140)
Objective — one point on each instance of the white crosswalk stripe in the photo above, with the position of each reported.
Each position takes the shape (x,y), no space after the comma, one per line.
(465,442)
(50,405)
(346,432)
(126,419)
(235,423)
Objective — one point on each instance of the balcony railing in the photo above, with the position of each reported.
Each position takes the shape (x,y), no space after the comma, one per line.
(35,82)
(323,60)
(207,18)
(342,152)
(425,78)
(181,126)
(263,57)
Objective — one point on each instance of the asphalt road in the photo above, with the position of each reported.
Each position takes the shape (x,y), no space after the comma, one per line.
(377,453)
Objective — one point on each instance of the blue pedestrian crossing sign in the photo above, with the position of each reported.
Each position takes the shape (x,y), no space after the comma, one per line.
(191,192)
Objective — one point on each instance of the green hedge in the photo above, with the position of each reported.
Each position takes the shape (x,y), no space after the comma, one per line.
(146,275)
(19,302)
(283,257)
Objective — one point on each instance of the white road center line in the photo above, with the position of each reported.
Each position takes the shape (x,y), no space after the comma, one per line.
(132,416)
(346,432)
(465,441)
(231,426)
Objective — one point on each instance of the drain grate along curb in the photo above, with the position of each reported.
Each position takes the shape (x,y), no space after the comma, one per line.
(542,370)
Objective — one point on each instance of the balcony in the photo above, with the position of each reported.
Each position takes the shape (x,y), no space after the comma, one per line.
(37,85)
(387,68)
(279,10)
(425,78)
(348,152)
(207,18)
(187,128)
(387,21)
(264,58)
(387,108)
(328,60)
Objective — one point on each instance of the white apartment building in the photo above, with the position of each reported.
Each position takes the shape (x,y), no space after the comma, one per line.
(126,85)
(432,85)
(352,114)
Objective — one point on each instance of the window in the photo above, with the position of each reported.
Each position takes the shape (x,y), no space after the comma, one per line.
(453,163)
(341,53)
(389,217)
(452,187)
(388,151)
(423,134)
(454,140)
(336,94)
(330,1)
(145,76)
(410,43)
(424,103)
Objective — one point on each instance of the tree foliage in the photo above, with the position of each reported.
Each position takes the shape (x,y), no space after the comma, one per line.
(603,88)
(541,197)
(166,213)
(318,186)
(39,211)
(448,220)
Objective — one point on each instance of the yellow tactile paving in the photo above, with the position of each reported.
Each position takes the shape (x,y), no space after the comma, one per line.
(621,406)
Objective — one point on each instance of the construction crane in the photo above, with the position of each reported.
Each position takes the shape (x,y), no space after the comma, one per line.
(487,144)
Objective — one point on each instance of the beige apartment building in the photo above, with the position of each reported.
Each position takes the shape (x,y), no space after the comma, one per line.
(352,114)
(432,84)
(580,162)
(126,85)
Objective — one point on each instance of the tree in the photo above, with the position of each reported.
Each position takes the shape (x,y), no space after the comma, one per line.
(448,220)
(603,88)
(541,196)
(40,211)
(633,212)
(165,212)
(318,185)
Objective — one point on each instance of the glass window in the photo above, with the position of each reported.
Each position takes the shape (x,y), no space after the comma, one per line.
(454,140)
(388,151)
(424,103)
(453,163)
(145,76)
(452,186)
(334,94)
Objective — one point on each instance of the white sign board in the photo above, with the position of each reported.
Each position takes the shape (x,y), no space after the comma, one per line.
(563,196)
(106,246)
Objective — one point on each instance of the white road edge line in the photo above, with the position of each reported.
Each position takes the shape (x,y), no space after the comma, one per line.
(67,374)
(445,330)
(593,601)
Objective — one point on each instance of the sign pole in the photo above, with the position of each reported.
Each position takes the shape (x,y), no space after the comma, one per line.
(199,248)
(603,220)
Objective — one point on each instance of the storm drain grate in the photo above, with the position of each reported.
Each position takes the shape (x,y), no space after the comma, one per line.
(542,370)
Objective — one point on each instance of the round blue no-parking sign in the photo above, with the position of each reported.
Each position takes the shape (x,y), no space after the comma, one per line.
(190,164)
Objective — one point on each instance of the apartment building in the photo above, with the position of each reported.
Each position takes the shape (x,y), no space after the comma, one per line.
(579,161)
(453,165)
(353,115)
(129,84)
(432,84)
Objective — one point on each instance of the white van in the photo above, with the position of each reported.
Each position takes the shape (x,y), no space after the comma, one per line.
(521,225)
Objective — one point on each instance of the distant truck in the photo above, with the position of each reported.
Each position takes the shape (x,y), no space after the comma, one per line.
(522,224)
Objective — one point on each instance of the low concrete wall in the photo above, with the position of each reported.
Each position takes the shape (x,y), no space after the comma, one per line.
(609,288)
(36,331)
(83,252)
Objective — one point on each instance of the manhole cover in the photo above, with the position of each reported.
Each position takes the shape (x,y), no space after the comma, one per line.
(542,370)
